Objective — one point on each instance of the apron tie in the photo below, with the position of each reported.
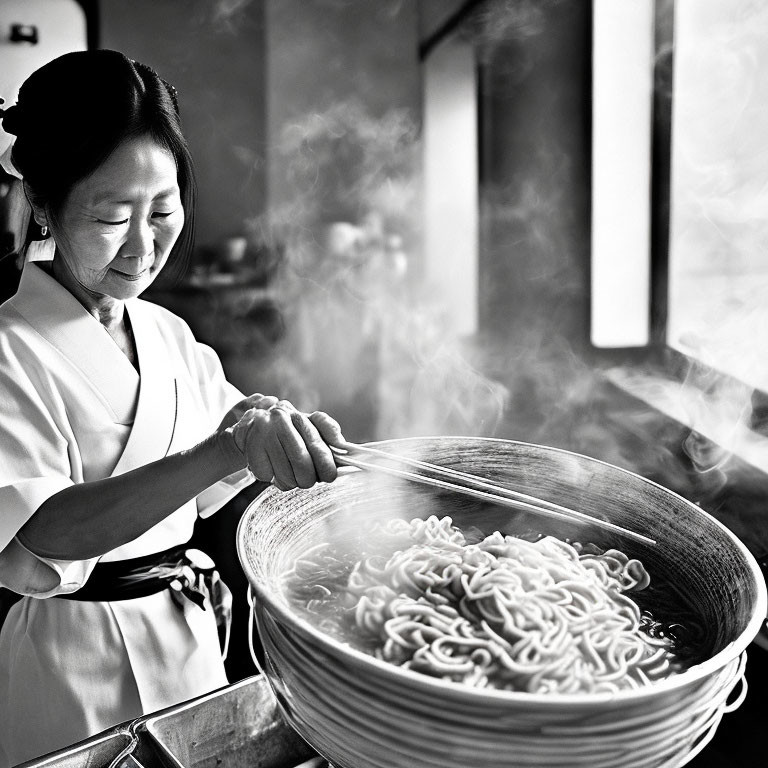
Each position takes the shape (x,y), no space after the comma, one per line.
(188,573)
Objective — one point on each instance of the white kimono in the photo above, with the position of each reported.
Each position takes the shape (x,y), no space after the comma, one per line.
(74,409)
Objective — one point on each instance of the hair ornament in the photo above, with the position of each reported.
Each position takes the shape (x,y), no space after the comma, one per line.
(10,117)
(173,93)
(171,89)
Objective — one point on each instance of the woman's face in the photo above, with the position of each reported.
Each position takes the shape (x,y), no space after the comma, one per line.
(117,226)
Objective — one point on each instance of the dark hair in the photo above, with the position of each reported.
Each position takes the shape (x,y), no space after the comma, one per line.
(73,112)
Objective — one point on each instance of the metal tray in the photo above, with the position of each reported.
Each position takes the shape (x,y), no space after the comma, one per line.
(97,752)
(239,726)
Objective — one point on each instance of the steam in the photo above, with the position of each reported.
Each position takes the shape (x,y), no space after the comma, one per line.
(227,15)
(362,328)
(512,20)
(365,338)
(430,383)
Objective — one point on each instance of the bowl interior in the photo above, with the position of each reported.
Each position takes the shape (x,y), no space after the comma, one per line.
(702,575)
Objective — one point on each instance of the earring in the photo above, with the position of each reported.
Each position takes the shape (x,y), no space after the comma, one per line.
(41,250)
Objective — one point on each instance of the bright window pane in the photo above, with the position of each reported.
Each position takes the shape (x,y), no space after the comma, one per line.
(451,181)
(718,301)
(621,162)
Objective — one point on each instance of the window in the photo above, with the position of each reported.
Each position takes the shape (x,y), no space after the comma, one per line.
(718,251)
(451,180)
(622,89)
(680,210)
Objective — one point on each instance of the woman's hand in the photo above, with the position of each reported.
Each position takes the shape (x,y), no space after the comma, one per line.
(257,400)
(284,445)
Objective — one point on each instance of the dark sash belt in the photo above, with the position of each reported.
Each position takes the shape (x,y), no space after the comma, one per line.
(185,571)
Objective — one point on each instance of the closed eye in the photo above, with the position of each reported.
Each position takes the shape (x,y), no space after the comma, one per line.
(113,223)
(162,214)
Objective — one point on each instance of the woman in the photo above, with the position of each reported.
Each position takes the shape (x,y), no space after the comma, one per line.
(117,428)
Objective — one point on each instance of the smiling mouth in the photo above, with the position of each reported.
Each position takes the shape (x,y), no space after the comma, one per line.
(127,276)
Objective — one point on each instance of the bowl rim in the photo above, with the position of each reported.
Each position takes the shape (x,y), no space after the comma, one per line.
(440,687)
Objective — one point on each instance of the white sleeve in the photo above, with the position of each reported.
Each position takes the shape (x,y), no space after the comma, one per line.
(34,466)
(212,499)
(219,396)
(25,573)
(216,395)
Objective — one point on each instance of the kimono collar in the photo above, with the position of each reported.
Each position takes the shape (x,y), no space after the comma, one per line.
(148,402)
(64,322)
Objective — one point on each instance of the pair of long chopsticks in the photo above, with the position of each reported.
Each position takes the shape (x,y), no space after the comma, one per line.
(363,457)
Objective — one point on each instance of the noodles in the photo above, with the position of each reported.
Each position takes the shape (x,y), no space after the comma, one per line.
(501,612)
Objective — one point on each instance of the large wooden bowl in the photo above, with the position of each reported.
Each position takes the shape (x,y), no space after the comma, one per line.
(360,712)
